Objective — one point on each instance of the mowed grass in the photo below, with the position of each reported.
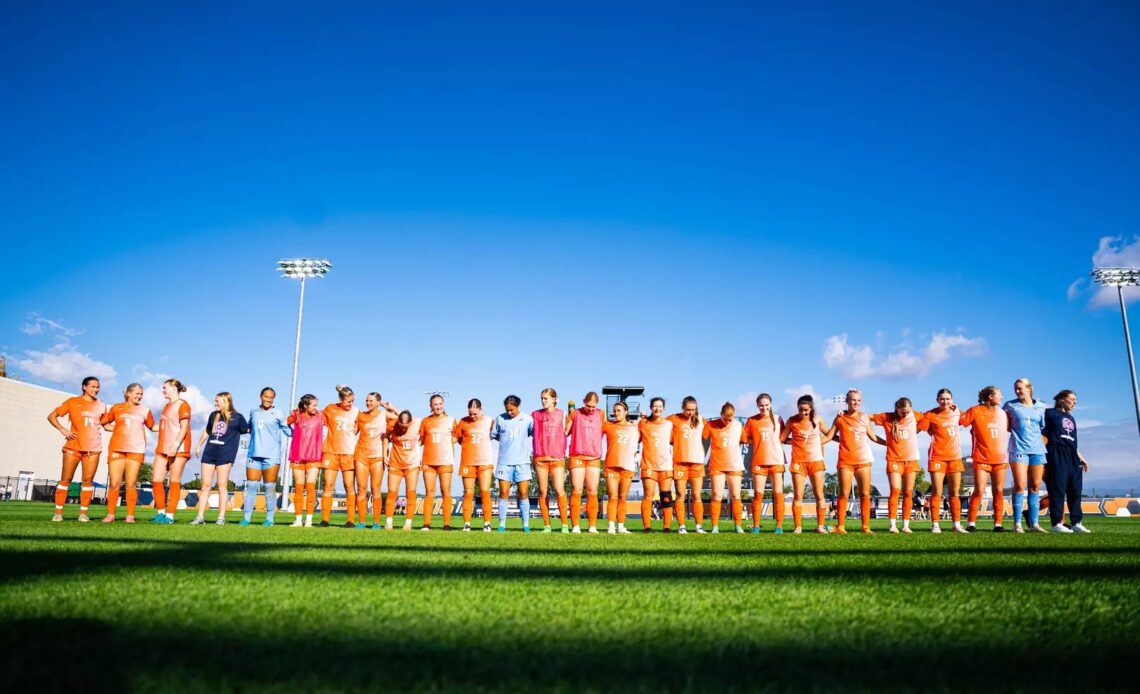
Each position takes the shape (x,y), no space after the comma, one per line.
(206,608)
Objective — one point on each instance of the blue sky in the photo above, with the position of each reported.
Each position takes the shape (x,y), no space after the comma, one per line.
(700,199)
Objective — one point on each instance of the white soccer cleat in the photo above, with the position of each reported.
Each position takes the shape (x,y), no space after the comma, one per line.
(739,530)
(1079,528)
(611,531)
(308,521)
(1018,529)
(297,522)
(1061,529)
(622,530)
(593,531)
(716,530)
(798,531)
(682,531)
(57,518)
(575,530)
(893,530)
(700,530)
(906,530)
(935,529)
(83,518)
(466,527)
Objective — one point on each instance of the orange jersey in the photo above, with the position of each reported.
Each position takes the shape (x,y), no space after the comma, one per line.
(989,431)
(436,435)
(655,437)
(169,424)
(405,449)
(806,445)
(84,418)
(945,441)
(341,423)
(724,444)
(131,423)
(621,445)
(902,436)
(687,446)
(474,440)
(854,446)
(372,427)
(764,437)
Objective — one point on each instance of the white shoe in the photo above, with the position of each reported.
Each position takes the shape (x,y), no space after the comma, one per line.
(575,530)
(893,530)
(308,521)
(84,519)
(934,529)
(700,530)
(612,531)
(822,529)
(716,530)
(682,531)
(1079,528)
(1018,529)
(739,530)
(297,522)
(466,527)
(906,529)
(960,529)
(220,521)
(198,521)
(425,529)
(57,518)
(593,531)
(1061,529)
(798,531)
(1038,529)
(388,524)
(623,531)
(486,527)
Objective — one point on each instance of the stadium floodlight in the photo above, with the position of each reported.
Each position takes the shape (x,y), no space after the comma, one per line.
(1121,277)
(302,269)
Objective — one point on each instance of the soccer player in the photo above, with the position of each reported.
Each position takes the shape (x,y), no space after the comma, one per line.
(688,461)
(437,434)
(266,427)
(1026,452)
(989,433)
(404,463)
(621,446)
(127,421)
(854,430)
(550,456)
(944,458)
(511,430)
(726,463)
(368,457)
(340,443)
(762,432)
(475,461)
(221,437)
(901,427)
(305,454)
(655,432)
(171,452)
(805,431)
(1065,466)
(584,427)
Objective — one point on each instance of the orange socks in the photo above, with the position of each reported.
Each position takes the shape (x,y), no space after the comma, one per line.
(999,508)
(468,507)
(362,507)
(299,499)
(326,504)
(592,510)
(865,511)
(621,510)
(173,498)
(908,506)
(975,503)
(448,505)
(132,500)
(576,508)
(646,511)
(159,497)
(563,514)
(757,506)
(698,508)
(841,511)
(797,514)
(893,505)
(715,514)
(935,507)
(820,513)
(427,511)
(611,508)
(737,510)
(667,515)
(544,508)
(485,498)
(85,494)
(778,502)
(60,497)
(390,504)
(310,498)
(112,501)
(679,506)
(350,506)
(956,508)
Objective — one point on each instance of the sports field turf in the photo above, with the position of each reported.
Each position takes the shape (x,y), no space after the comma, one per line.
(177,608)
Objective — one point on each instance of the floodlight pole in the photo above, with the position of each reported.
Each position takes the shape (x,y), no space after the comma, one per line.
(1131,359)
(287,476)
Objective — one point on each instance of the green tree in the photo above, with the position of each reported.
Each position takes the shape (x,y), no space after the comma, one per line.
(831,484)
(146,474)
(921,484)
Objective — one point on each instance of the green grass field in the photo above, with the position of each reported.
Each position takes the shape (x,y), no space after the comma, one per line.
(203,608)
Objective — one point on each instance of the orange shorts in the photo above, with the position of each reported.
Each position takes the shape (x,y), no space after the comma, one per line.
(368,461)
(903,467)
(617,471)
(305,465)
(577,462)
(946,466)
(718,470)
(767,469)
(660,476)
(688,471)
(469,472)
(809,468)
(337,461)
(849,465)
(549,463)
(440,468)
(118,455)
(989,467)
(403,467)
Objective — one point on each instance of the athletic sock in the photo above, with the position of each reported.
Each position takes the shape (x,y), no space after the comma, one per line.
(1034,508)
(737,510)
(468,507)
(698,508)
(778,502)
(159,492)
(362,508)
(757,505)
(797,514)
(667,516)
(112,501)
(350,505)
(975,504)
(893,505)
(310,498)
(390,504)
(250,498)
(679,508)
(908,506)
(544,509)
(485,499)
(326,504)
(60,497)
(646,511)
(611,508)
(132,500)
(841,511)
(379,506)
(865,511)
(1018,505)
(173,497)
(524,511)
(999,507)
(575,508)
(714,513)
(428,510)
(621,511)
(448,507)
(935,507)
(956,508)
(270,489)
(592,506)
(299,499)
(820,514)
(411,507)
(563,512)
(502,511)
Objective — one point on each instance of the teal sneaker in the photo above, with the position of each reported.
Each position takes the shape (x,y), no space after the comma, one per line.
(501,529)
(526,528)
(756,530)
(244,522)
(779,530)
(267,524)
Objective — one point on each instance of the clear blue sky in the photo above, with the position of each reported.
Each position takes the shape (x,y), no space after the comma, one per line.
(694,199)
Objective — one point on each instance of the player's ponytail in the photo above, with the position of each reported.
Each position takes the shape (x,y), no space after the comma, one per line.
(985,394)
(176,383)
(344,392)
(771,410)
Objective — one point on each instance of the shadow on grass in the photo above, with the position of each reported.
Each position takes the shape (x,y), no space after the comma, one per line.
(100,656)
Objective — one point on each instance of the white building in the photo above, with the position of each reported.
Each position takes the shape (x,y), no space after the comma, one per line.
(29,446)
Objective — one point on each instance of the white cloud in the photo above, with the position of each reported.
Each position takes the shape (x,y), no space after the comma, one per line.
(1112,251)
(860,361)
(38,325)
(66,365)
(825,406)
(1113,453)
(200,405)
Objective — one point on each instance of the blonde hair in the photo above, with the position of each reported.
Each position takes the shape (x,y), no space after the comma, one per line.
(1024,382)
(344,392)
(591,396)
(727,410)
(551,392)
(228,405)
(129,388)
(176,383)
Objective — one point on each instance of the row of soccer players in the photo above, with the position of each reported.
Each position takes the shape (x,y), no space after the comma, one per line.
(365,446)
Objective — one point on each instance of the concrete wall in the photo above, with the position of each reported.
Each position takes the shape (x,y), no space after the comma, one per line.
(27,442)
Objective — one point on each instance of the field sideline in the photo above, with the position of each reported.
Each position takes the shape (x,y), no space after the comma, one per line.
(184,608)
